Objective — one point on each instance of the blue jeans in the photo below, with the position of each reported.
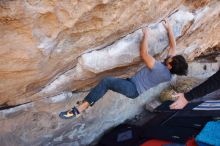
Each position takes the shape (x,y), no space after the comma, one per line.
(123,86)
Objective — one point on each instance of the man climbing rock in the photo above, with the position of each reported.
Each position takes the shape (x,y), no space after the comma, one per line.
(154,73)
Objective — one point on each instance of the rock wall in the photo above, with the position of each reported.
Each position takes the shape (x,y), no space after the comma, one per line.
(41,40)
(49,48)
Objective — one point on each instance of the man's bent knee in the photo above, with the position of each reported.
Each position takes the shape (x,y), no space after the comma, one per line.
(133,96)
(106,80)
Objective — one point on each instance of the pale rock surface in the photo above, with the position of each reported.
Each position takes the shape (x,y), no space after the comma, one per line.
(38,124)
(50,48)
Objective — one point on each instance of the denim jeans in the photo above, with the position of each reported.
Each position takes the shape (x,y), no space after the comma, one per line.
(122,86)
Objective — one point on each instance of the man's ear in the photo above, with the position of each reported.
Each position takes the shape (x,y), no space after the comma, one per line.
(169,66)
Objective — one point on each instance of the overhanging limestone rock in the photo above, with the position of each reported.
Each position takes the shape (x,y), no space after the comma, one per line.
(40,40)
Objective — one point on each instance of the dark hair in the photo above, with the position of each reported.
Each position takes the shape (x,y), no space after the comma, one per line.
(179,65)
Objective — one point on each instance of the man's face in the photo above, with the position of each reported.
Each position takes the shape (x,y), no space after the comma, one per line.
(167,61)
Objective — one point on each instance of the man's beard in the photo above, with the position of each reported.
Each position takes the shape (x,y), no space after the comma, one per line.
(165,61)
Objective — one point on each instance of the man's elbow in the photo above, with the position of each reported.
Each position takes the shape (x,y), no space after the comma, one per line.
(149,63)
(150,66)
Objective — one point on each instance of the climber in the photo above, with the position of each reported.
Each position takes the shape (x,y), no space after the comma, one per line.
(210,85)
(154,73)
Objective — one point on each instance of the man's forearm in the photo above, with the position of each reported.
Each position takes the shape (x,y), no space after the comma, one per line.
(210,85)
(144,47)
(172,42)
(147,58)
(171,38)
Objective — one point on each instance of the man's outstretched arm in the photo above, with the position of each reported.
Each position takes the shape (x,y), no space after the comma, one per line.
(172,41)
(148,59)
(210,85)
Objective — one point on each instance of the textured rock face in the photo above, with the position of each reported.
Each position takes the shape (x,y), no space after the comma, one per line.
(42,39)
(49,48)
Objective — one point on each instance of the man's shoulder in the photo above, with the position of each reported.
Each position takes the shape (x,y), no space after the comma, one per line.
(159,64)
(162,68)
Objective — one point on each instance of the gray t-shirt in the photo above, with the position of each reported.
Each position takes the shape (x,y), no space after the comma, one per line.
(147,78)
